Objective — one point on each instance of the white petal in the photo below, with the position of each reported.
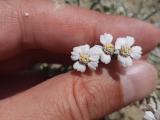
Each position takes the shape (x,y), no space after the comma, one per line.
(77,49)
(74,56)
(106,38)
(136,52)
(129,41)
(137,49)
(136,55)
(119,43)
(79,67)
(97,49)
(148,115)
(94,58)
(125,61)
(93,65)
(105,58)
(85,48)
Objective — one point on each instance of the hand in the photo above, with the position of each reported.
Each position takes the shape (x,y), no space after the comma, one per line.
(34,31)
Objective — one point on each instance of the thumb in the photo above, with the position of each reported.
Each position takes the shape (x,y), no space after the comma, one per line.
(74,96)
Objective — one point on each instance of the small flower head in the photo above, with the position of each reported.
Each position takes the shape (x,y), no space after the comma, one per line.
(106,41)
(126,52)
(107,50)
(84,56)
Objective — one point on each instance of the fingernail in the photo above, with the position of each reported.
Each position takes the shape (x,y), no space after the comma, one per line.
(139,81)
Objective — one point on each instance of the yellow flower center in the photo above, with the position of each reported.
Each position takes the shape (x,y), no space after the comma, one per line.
(84,58)
(125,51)
(109,49)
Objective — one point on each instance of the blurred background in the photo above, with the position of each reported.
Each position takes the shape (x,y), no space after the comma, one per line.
(146,10)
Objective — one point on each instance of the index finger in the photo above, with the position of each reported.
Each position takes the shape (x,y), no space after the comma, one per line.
(57,27)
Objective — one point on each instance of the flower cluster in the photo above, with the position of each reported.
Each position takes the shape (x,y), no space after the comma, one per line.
(85,55)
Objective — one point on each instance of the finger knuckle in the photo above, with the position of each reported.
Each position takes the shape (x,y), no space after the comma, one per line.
(89,96)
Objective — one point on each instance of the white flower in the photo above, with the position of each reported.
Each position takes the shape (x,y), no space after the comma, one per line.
(107,49)
(84,56)
(148,115)
(125,51)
